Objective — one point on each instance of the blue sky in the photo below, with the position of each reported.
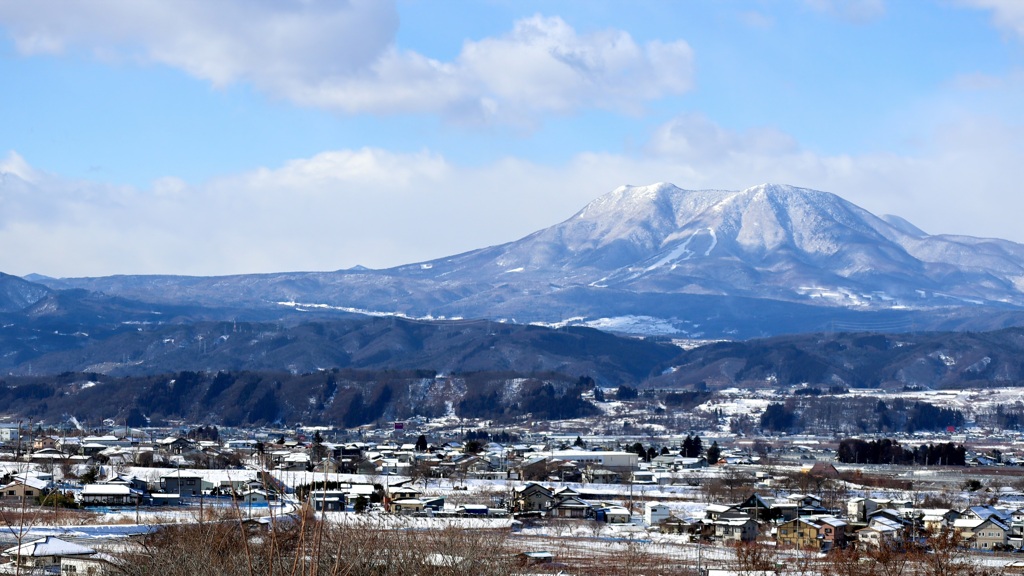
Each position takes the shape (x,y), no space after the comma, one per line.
(199,137)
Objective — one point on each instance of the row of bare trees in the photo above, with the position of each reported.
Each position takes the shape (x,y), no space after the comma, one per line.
(944,555)
(306,546)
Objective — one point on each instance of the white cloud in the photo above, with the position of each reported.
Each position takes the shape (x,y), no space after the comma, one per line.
(544,64)
(1006,14)
(695,138)
(379,208)
(342,56)
(15,165)
(266,43)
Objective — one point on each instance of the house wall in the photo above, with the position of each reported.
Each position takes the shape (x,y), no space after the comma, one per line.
(989,537)
(189,485)
(84,567)
(17,491)
(798,534)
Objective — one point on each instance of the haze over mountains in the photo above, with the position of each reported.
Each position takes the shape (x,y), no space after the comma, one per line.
(650,260)
(657,259)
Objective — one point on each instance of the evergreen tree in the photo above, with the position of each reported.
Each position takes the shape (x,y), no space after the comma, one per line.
(714,453)
(421,443)
(638,448)
(697,449)
(579,443)
(687,450)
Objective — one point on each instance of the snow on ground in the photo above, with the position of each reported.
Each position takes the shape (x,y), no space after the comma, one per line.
(395,522)
(635,325)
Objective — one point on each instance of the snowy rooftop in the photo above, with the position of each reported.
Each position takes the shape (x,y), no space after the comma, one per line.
(49,546)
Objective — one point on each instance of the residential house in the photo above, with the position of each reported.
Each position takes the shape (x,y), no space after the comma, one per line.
(762,508)
(807,504)
(643,477)
(881,531)
(99,564)
(933,520)
(655,512)
(570,507)
(110,495)
(861,509)
(531,498)
(833,533)
(173,445)
(24,488)
(990,534)
(44,555)
(327,500)
(406,506)
(815,532)
(44,443)
(400,492)
(715,511)
(1016,539)
(986,512)
(254,496)
(679,526)
(613,515)
(183,483)
(736,529)
(598,475)
(799,533)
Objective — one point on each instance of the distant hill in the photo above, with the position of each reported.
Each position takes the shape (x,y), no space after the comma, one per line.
(501,373)
(17,294)
(771,259)
(930,360)
(73,331)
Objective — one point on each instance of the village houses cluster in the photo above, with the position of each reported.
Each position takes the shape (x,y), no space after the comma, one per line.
(540,482)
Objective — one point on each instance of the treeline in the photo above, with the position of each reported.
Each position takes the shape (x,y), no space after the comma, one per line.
(854,415)
(553,397)
(339,397)
(886,451)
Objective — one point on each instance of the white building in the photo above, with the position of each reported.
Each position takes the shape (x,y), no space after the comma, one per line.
(655,513)
(605,459)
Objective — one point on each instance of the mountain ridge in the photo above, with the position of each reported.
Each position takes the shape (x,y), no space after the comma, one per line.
(626,252)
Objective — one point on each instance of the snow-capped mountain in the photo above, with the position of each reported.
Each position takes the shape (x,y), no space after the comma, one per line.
(769,241)
(768,259)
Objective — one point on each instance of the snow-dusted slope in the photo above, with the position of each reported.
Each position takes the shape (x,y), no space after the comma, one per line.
(690,258)
(771,240)
(17,294)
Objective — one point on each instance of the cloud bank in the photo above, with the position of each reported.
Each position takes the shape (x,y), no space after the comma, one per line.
(378,208)
(342,56)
